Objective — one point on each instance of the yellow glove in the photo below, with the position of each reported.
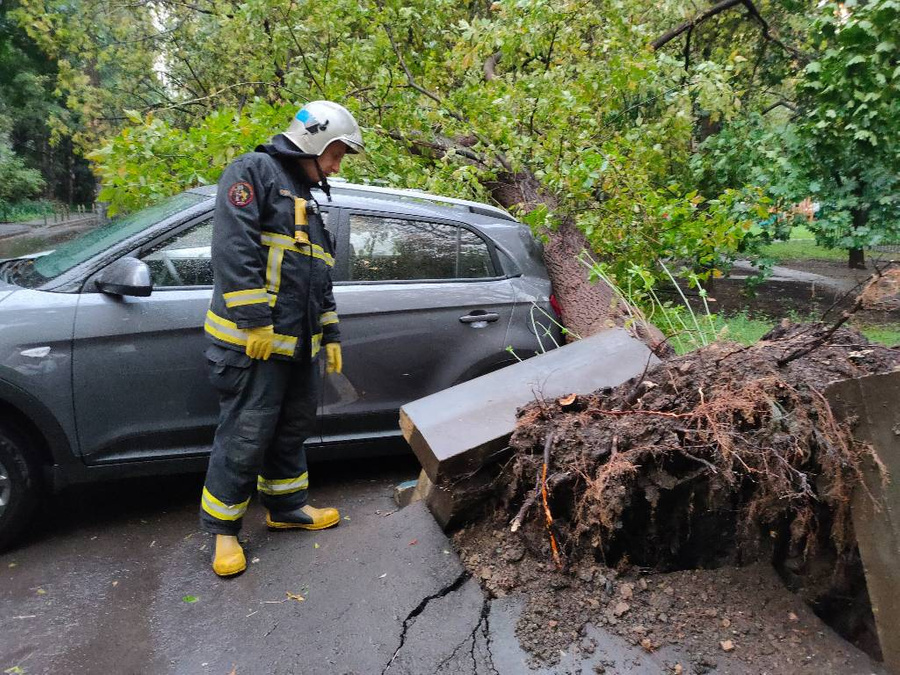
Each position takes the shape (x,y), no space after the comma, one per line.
(259,342)
(333,353)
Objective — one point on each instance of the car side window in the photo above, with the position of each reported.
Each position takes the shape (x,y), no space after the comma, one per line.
(183,260)
(395,249)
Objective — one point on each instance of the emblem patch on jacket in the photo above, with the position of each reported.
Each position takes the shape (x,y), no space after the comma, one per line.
(240,194)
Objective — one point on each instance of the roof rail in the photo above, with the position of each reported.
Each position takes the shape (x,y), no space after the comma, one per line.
(401,194)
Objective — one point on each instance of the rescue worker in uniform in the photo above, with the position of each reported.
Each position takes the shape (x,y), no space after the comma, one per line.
(271,313)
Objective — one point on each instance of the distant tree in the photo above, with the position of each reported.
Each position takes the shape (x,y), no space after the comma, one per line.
(32,108)
(844,144)
(17,181)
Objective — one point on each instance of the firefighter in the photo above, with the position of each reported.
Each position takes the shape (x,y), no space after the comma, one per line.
(272,312)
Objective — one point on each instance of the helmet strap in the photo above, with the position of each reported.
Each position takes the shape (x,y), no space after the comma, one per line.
(323,180)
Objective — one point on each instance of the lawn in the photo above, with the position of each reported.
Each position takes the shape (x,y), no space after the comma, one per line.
(801,245)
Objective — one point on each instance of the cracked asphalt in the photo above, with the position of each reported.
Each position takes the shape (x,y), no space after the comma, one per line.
(116,579)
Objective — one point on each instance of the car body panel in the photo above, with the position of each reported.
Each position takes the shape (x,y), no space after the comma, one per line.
(158,401)
(36,352)
(408,335)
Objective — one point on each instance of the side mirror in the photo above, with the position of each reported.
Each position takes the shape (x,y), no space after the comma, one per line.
(126,276)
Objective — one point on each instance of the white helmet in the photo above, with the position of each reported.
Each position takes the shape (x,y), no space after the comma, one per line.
(318,124)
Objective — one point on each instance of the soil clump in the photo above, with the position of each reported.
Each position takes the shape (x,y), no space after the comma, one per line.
(658,509)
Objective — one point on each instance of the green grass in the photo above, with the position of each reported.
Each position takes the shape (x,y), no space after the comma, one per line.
(26,210)
(885,334)
(747,330)
(802,249)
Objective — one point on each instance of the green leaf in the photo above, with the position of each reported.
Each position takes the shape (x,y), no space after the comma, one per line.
(190,599)
(134,116)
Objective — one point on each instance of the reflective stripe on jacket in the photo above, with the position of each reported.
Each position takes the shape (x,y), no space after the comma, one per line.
(262,275)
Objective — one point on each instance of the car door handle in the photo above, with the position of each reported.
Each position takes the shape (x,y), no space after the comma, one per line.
(485,316)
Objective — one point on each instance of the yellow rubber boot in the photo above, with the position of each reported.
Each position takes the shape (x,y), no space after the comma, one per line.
(305,518)
(229,558)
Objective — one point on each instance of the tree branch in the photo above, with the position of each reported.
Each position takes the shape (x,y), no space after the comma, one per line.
(440,147)
(411,80)
(718,8)
(285,16)
(490,66)
(754,12)
(786,104)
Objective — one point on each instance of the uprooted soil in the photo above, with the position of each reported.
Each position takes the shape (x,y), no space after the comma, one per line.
(671,493)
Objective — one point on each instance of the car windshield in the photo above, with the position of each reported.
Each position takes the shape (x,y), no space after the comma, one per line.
(35,272)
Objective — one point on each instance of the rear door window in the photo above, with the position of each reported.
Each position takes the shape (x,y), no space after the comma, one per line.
(401,249)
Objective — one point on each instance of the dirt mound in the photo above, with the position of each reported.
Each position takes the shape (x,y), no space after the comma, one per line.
(726,456)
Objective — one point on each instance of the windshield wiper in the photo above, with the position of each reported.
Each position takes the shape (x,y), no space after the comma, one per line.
(10,269)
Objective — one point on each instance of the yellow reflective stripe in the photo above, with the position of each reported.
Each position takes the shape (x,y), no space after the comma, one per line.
(284,242)
(248,297)
(220,510)
(275,239)
(242,294)
(316,343)
(272,299)
(319,252)
(282,486)
(273,269)
(227,331)
(328,318)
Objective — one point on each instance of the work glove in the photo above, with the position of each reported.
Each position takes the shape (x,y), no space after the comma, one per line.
(259,342)
(334,362)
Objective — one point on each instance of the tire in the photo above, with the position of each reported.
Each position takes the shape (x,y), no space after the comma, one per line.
(19,486)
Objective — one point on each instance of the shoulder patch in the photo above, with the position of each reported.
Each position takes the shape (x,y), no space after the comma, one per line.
(240,194)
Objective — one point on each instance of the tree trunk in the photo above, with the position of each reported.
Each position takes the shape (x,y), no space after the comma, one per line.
(587,307)
(857,257)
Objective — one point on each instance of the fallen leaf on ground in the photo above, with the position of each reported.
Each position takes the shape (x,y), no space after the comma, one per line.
(41,591)
(315,546)
(567,400)
(190,599)
(726,645)
(294,596)
(414,542)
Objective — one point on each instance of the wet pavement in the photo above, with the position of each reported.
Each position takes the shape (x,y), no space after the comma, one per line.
(116,580)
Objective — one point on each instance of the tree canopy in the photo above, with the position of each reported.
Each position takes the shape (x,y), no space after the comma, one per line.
(654,130)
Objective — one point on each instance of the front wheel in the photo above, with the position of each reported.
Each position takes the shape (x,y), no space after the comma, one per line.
(19,486)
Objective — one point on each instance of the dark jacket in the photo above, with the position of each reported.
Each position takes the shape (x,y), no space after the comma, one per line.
(262,275)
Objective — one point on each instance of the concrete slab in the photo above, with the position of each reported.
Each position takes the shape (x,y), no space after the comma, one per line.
(456,431)
(872,405)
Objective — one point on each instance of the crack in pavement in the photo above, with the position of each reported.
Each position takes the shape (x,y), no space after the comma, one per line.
(450,588)
(486,632)
(484,625)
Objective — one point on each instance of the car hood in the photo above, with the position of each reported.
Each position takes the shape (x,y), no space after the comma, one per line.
(6,290)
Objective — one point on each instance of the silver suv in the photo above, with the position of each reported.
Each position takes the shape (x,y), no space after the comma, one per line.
(102,371)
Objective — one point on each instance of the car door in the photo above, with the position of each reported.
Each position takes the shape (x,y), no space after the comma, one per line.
(423,304)
(139,376)
(140,382)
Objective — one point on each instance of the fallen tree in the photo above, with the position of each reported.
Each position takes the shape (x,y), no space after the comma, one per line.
(729,455)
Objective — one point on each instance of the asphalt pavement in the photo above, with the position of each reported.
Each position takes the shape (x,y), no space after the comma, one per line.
(115,579)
